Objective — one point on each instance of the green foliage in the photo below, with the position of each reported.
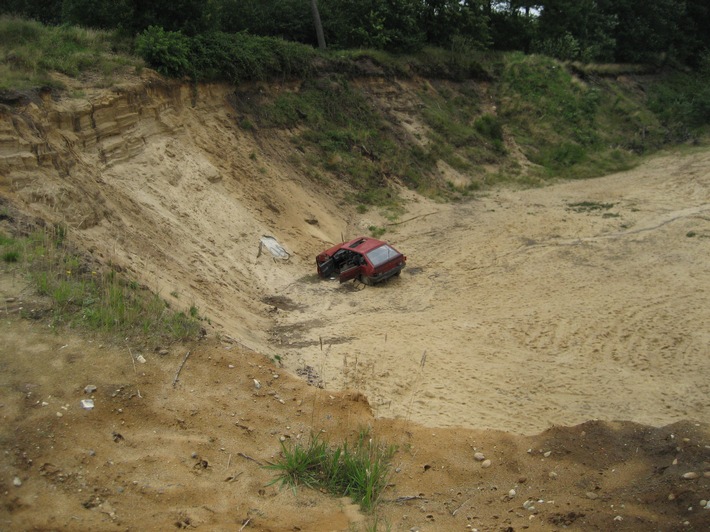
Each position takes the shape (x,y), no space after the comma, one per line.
(166,51)
(359,471)
(93,299)
(218,56)
(29,51)
(682,103)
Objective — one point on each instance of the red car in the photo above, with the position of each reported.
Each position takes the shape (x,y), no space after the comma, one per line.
(368,259)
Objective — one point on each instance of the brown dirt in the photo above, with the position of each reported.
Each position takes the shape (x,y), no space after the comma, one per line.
(524,324)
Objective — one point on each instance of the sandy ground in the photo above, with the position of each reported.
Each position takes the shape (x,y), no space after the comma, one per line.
(562,332)
(529,311)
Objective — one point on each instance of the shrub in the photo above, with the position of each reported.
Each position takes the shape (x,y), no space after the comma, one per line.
(167,51)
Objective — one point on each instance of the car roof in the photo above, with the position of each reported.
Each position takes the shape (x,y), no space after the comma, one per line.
(363,244)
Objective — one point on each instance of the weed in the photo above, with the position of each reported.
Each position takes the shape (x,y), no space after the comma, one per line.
(377,232)
(589,206)
(359,470)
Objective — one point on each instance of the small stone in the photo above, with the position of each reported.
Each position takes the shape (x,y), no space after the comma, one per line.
(90,388)
(703,502)
(592,495)
(140,359)
(618,518)
(512,493)
(59,414)
(275,376)
(529,505)
(231,366)
(552,475)
(671,496)
(547,454)
(691,475)
(675,461)
(282,438)
(706,474)
(87,404)
(16,482)
(163,352)
(257,384)
(486,464)
(479,456)
(522,480)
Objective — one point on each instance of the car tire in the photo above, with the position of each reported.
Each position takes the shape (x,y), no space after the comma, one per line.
(364,279)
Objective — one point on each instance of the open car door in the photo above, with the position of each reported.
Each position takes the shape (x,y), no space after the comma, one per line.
(351,272)
(326,266)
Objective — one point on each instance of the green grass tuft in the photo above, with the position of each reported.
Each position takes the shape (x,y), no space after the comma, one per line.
(358,470)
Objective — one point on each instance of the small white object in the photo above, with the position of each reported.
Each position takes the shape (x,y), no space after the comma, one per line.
(87,404)
(140,359)
(257,384)
(16,482)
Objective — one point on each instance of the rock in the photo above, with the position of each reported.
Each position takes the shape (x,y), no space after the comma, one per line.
(16,482)
(90,388)
(529,505)
(486,464)
(592,495)
(522,480)
(691,475)
(552,475)
(140,359)
(547,454)
(257,384)
(703,503)
(87,404)
(479,456)
(512,493)
(163,352)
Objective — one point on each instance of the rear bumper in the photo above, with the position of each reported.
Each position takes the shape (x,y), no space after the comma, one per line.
(378,278)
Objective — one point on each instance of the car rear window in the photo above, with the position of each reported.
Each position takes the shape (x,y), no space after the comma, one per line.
(382,254)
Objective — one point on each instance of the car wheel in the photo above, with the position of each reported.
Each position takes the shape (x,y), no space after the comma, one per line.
(364,279)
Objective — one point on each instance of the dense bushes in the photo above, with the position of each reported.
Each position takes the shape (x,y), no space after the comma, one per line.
(223,56)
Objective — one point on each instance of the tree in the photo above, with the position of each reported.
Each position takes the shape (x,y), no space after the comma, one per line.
(576,29)
(318,24)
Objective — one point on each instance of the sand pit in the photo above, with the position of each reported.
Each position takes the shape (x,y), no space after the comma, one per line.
(584,300)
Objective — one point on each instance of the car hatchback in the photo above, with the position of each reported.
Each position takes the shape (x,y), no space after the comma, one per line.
(364,258)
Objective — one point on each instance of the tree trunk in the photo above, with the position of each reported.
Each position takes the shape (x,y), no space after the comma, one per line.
(319,26)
